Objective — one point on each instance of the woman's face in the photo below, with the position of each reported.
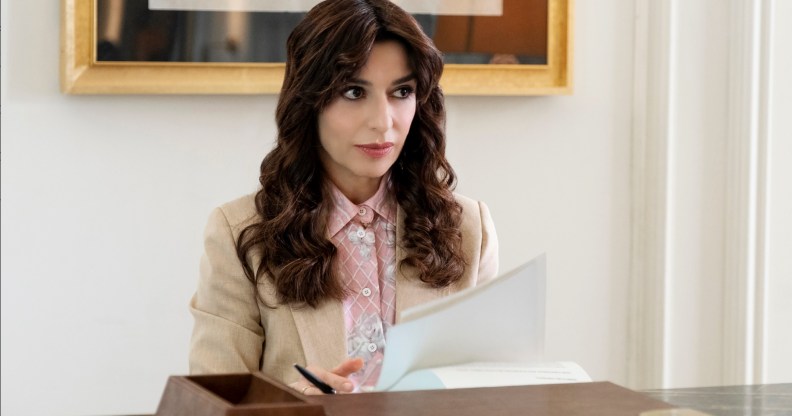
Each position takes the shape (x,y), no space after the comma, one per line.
(362,131)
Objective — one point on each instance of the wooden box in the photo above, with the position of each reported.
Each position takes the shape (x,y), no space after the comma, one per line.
(233,395)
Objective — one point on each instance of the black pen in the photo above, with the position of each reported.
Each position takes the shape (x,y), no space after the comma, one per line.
(321,385)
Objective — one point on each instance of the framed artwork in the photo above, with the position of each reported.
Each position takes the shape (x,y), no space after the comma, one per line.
(490,47)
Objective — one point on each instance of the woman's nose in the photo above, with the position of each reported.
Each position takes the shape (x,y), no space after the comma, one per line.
(381,115)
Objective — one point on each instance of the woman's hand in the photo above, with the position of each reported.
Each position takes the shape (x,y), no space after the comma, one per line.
(336,378)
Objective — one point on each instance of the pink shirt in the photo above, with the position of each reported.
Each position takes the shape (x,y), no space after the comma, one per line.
(365,236)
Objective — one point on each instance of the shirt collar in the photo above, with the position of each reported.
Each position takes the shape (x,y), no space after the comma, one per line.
(343,210)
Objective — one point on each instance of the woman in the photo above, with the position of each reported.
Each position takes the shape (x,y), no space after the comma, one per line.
(355,220)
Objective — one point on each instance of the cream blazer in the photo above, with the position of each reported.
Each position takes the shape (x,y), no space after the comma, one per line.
(234,332)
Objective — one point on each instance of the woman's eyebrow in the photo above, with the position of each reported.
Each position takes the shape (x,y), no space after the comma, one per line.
(404,79)
(401,80)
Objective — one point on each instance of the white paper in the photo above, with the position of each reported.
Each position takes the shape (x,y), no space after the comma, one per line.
(501,321)
(510,374)
(492,375)
(438,7)
(453,7)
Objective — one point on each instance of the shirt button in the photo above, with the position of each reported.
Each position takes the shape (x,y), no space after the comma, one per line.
(361,233)
(366,292)
(362,211)
(372,347)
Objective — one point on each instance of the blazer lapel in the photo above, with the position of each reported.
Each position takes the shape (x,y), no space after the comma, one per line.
(410,290)
(322,333)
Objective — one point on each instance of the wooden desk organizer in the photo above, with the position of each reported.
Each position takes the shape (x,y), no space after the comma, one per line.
(232,395)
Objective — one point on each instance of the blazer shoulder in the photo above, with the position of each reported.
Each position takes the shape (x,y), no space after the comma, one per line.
(240,212)
(470,206)
(479,239)
(462,199)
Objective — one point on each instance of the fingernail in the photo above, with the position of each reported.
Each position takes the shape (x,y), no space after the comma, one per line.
(347,386)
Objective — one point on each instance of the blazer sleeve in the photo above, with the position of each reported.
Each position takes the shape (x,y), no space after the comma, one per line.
(227,336)
(488,262)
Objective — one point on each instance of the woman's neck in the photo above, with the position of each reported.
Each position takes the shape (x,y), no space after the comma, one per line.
(360,190)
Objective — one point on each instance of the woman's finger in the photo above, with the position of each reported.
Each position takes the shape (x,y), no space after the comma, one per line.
(337,378)
(347,367)
(304,387)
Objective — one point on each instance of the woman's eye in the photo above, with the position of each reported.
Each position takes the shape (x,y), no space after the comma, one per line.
(403,92)
(353,93)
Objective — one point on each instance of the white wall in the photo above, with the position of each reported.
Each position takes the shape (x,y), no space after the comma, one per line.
(104,200)
(700,110)
(710,254)
(778,316)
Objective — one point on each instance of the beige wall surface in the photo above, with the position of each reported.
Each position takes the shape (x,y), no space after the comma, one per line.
(104,200)
(778,317)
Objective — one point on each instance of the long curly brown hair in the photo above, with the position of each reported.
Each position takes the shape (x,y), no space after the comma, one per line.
(326,49)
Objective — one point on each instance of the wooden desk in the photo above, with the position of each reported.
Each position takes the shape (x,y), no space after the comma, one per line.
(256,394)
(589,399)
(759,400)
(247,395)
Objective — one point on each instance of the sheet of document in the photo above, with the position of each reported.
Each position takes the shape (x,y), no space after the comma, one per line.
(500,321)
(510,374)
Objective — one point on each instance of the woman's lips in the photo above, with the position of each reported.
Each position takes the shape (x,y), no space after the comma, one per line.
(375,150)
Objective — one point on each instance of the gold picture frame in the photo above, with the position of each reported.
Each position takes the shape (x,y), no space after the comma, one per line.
(82,74)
